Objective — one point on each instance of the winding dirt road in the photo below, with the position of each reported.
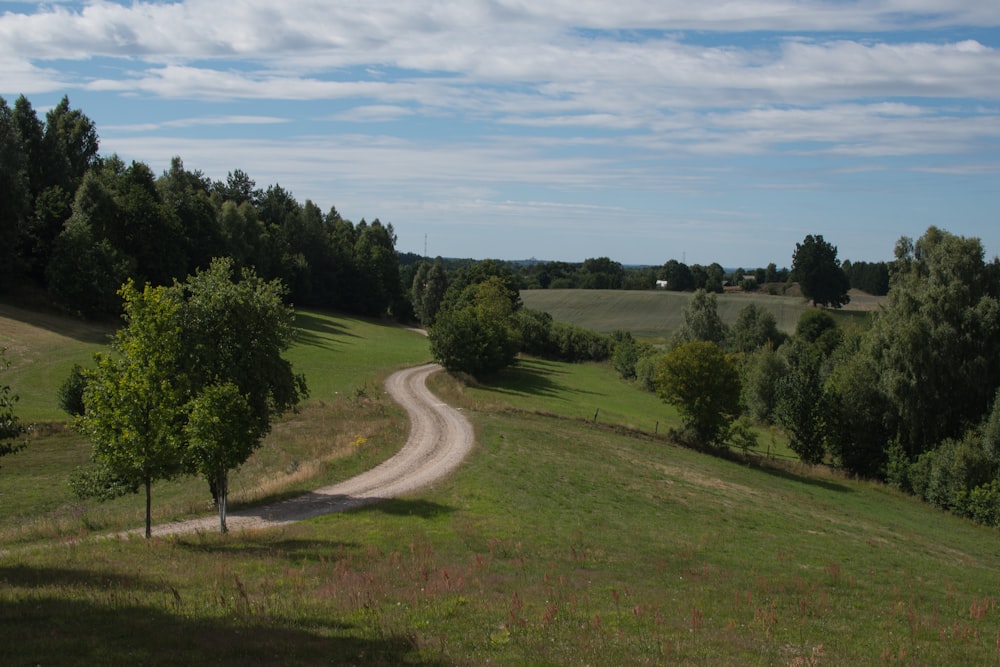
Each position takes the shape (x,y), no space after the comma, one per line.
(440,437)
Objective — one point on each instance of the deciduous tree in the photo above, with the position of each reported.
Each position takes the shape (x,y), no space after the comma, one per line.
(704,385)
(816,267)
(134,398)
(701,320)
(221,435)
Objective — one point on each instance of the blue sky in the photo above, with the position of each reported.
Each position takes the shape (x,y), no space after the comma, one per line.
(710,131)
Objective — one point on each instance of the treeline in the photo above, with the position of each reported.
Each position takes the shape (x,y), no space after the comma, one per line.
(912,399)
(673,275)
(79,225)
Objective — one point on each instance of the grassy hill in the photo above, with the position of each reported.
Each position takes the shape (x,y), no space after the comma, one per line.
(560,541)
(654,315)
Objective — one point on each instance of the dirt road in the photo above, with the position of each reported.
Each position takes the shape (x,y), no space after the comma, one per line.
(440,437)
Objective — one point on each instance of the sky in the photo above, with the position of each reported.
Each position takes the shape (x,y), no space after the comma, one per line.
(711,131)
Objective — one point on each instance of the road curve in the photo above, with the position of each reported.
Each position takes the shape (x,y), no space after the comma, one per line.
(440,437)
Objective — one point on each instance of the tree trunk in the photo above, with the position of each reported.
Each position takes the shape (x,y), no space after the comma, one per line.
(149,523)
(223,492)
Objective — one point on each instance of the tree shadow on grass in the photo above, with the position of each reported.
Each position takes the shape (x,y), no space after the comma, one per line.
(44,317)
(318,331)
(257,544)
(424,509)
(48,630)
(532,377)
(777,471)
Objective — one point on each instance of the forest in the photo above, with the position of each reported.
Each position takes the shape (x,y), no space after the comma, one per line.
(76,225)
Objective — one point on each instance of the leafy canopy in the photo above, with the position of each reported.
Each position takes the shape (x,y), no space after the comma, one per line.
(821,278)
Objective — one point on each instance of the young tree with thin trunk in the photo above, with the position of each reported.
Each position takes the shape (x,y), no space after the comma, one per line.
(134,398)
(221,436)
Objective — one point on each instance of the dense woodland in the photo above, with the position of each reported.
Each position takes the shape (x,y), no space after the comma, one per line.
(910,398)
(77,225)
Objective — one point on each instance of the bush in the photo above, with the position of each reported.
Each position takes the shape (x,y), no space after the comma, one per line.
(71,391)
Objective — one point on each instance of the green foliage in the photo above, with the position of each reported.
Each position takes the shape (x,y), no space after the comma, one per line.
(102,482)
(870,277)
(12,431)
(937,343)
(222,433)
(646,369)
(535,331)
(701,320)
(755,327)
(477,334)
(71,391)
(626,354)
(235,329)
(742,435)
(800,409)
(85,272)
(857,412)
(761,375)
(569,342)
(133,400)
(816,267)
(183,354)
(703,384)
(601,273)
(430,283)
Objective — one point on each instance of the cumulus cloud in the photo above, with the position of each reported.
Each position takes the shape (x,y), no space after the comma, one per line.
(579,95)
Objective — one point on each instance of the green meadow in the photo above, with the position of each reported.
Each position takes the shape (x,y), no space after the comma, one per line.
(561,541)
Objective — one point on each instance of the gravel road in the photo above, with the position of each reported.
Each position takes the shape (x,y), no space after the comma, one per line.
(440,437)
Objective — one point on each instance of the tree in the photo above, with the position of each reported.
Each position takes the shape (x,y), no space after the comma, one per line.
(134,398)
(478,335)
(701,320)
(430,283)
(678,276)
(800,408)
(233,333)
(198,362)
(937,341)
(14,194)
(704,385)
(221,434)
(84,271)
(601,273)
(235,329)
(70,143)
(856,411)
(761,374)
(816,267)
(12,431)
(755,327)
(71,391)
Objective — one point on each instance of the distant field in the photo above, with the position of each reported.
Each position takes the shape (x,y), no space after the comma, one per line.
(654,315)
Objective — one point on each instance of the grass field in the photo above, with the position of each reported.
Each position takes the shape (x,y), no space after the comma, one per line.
(655,315)
(344,360)
(560,541)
